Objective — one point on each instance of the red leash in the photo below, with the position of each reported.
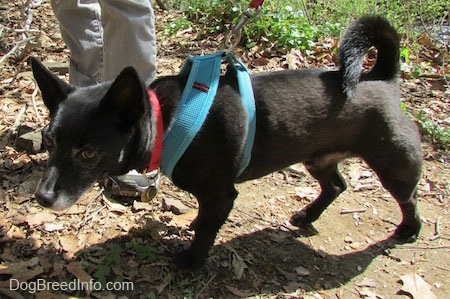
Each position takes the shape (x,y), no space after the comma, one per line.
(234,36)
(256,3)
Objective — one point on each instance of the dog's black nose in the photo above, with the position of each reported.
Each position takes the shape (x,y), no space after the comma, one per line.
(45,198)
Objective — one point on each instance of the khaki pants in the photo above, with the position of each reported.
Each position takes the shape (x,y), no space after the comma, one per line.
(105,36)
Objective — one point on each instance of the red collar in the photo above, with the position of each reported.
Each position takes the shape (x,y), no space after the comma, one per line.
(157,147)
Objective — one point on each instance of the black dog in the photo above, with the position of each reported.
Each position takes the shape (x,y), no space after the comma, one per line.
(316,117)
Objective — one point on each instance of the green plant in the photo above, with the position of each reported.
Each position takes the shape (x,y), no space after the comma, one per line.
(410,68)
(188,290)
(177,25)
(285,29)
(143,252)
(282,26)
(101,271)
(214,16)
(440,136)
(110,257)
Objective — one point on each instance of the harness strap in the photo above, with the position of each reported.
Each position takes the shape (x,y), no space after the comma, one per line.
(248,101)
(196,100)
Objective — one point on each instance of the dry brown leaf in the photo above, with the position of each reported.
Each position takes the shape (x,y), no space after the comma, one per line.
(21,271)
(76,269)
(75,209)
(305,192)
(16,233)
(4,227)
(239,266)
(114,207)
(367,282)
(142,206)
(185,220)
(53,226)
(354,173)
(10,294)
(415,285)
(239,293)
(92,239)
(261,61)
(149,273)
(69,244)
(49,295)
(368,293)
(39,218)
(291,62)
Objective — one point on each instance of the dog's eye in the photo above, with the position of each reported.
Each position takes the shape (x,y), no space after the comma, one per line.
(88,154)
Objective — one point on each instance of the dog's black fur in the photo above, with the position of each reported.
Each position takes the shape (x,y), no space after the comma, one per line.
(317,117)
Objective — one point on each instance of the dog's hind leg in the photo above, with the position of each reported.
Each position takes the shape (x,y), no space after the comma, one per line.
(332,184)
(212,213)
(399,172)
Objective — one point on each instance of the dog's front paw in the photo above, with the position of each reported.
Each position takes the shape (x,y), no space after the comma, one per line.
(300,219)
(189,261)
(408,232)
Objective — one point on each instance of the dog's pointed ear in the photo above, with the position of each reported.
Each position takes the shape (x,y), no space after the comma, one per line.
(53,89)
(126,96)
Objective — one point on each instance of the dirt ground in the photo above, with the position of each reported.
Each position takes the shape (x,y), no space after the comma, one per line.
(257,253)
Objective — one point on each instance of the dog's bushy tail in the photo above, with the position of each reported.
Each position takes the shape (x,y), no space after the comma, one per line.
(367,32)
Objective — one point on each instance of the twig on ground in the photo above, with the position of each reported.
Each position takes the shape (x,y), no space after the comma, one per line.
(184,201)
(33,100)
(437,233)
(88,215)
(28,13)
(409,246)
(27,31)
(14,126)
(351,211)
(15,48)
(206,285)
(436,227)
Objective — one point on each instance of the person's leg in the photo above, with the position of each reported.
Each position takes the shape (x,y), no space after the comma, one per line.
(129,38)
(82,31)
(101,46)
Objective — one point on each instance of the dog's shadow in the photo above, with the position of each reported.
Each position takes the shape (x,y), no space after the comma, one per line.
(265,262)
(278,261)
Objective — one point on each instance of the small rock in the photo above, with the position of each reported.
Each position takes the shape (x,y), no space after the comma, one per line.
(28,187)
(302,271)
(62,68)
(174,205)
(30,142)
(348,239)
(139,206)
(411,86)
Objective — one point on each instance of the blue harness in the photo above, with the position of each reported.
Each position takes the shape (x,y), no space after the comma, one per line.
(197,98)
